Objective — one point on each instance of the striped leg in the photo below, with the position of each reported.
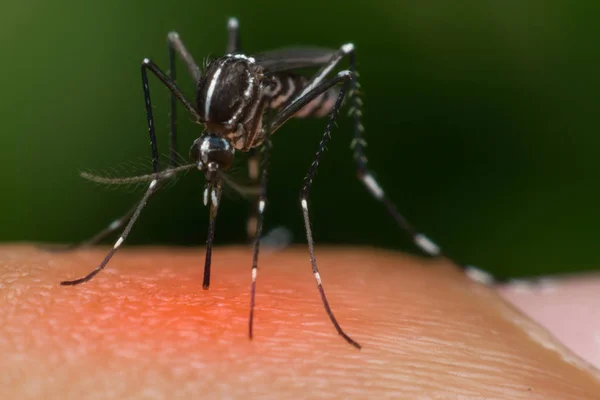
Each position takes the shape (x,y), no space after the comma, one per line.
(175,45)
(212,193)
(364,174)
(358,144)
(151,189)
(98,237)
(346,49)
(262,202)
(156,183)
(280,118)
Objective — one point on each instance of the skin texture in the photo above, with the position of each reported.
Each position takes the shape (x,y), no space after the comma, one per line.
(145,329)
(567,306)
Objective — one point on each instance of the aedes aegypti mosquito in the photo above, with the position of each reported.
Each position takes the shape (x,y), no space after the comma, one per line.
(233,96)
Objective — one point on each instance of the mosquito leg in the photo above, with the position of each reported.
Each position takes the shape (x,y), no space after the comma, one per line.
(172,105)
(326,69)
(233,36)
(170,83)
(133,214)
(212,193)
(364,174)
(98,237)
(147,64)
(117,224)
(262,201)
(304,194)
(358,145)
(151,189)
(176,45)
(280,118)
(253,171)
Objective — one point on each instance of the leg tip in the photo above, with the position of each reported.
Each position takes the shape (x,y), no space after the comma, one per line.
(233,23)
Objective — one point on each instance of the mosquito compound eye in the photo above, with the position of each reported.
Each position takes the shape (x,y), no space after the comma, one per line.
(195,150)
(210,149)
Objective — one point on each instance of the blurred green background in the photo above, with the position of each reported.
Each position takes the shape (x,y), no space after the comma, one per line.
(481,118)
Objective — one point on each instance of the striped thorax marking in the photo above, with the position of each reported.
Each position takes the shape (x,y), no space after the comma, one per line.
(210,92)
(233,94)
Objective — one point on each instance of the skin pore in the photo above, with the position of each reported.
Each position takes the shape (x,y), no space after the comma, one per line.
(144,329)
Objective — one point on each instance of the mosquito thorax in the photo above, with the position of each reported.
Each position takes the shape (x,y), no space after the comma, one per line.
(227,89)
(212,153)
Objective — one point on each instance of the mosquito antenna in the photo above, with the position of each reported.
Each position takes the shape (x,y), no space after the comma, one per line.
(212,193)
(168,173)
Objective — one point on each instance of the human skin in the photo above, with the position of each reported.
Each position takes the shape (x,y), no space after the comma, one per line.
(144,329)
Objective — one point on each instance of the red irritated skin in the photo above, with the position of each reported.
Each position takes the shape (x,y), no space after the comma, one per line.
(144,329)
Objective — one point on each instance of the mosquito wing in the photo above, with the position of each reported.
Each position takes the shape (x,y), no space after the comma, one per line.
(291,58)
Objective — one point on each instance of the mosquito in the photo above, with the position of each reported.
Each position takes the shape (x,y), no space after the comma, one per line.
(234,95)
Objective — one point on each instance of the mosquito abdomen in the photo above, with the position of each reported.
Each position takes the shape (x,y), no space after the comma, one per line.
(286,87)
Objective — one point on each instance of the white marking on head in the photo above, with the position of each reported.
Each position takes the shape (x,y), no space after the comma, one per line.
(318,278)
(373,186)
(233,23)
(261,206)
(427,245)
(210,91)
(304,204)
(347,48)
(479,275)
(118,243)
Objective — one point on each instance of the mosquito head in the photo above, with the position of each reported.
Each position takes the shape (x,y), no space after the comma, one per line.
(228,87)
(212,153)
